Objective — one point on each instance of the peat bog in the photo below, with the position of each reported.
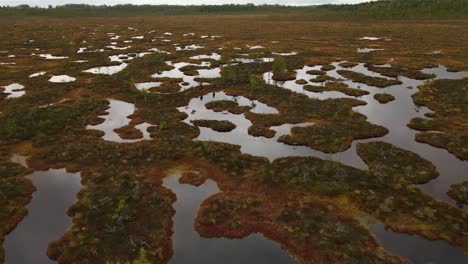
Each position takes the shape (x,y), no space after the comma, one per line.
(235,138)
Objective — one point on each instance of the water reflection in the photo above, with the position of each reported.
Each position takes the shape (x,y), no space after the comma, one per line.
(188,81)
(117,117)
(190,247)
(62,79)
(417,249)
(394,116)
(47,219)
(257,146)
(14,90)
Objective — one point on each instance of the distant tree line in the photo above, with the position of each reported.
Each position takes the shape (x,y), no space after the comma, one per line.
(404,9)
(386,9)
(131,10)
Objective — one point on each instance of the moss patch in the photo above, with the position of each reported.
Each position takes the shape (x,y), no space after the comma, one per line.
(459,192)
(314,231)
(327,67)
(390,163)
(336,86)
(399,71)
(15,193)
(458,146)
(316,72)
(129,132)
(226,105)
(301,82)
(108,210)
(194,178)
(216,125)
(332,137)
(322,78)
(348,64)
(384,98)
(283,76)
(369,80)
(448,98)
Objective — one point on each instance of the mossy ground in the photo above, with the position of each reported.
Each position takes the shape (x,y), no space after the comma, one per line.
(193,177)
(369,80)
(332,137)
(336,86)
(315,231)
(459,192)
(395,71)
(449,100)
(15,192)
(226,105)
(384,98)
(216,125)
(386,160)
(119,179)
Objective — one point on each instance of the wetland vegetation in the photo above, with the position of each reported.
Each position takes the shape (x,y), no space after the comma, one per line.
(258,129)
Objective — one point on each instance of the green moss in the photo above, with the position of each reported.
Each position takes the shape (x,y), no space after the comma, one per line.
(313,174)
(283,76)
(336,86)
(369,80)
(193,177)
(15,193)
(303,221)
(261,131)
(301,82)
(392,164)
(327,67)
(24,124)
(445,97)
(226,105)
(173,130)
(332,137)
(220,105)
(192,70)
(314,231)
(216,125)
(384,98)
(399,71)
(424,124)
(241,74)
(108,210)
(129,132)
(117,176)
(279,65)
(449,100)
(458,146)
(459,192)
(322,78)
(348,64)
(316,72)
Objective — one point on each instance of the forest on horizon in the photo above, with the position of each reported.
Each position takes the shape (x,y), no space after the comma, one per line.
(383,9)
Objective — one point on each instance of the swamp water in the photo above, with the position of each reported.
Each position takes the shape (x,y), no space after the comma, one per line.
(189,81)
(116,117)
(56,189)
(190,247)
(394,116)
(47,218)
(417,249)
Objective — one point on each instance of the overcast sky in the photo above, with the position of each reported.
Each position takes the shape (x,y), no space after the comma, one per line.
(174,2)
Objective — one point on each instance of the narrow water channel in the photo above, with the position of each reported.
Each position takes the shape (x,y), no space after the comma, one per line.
(47,218)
